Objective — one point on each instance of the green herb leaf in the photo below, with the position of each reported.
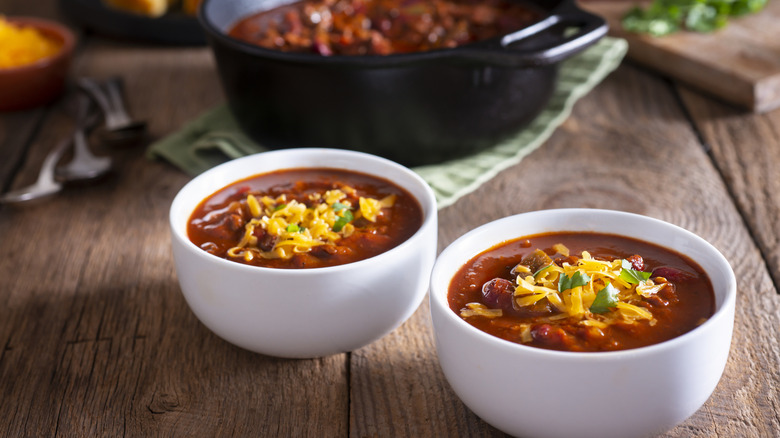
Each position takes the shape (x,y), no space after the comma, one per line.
(338,206)
(663,17)
(542,269)
(576,280)
(342,220)
(291,228)
(279,207)
(631,275)
(606,298)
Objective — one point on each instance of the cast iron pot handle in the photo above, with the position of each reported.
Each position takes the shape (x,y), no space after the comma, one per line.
(590,28)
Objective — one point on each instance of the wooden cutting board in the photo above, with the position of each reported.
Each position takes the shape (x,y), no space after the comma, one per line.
(739,63)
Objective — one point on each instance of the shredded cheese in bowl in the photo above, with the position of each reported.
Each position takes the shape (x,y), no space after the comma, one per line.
(598,292)
(291,227)
(591,292)
(24,45)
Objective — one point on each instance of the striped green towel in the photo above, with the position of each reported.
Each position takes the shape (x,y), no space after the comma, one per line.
(215,137)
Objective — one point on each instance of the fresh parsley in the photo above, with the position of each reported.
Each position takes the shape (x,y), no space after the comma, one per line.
(663,17)
(338,206)
(606,298)
(291,228)
(576,280)
(631,275)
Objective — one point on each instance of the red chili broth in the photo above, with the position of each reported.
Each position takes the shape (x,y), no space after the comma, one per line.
(392,227)
(695,295)
(381,27)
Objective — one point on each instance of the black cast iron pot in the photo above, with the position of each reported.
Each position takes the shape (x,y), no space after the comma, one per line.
(415,108)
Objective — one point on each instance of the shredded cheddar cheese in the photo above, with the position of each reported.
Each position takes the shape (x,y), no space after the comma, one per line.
(295,227)
(572,291)
(577,301)
(23,45)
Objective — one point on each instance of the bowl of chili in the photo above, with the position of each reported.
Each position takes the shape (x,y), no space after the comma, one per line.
(452,92)
(582,322)
(304,253)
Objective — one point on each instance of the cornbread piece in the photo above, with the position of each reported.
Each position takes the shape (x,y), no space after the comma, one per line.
(151,8)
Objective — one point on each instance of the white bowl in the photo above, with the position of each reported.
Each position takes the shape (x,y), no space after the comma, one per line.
(534,392)
(302,313)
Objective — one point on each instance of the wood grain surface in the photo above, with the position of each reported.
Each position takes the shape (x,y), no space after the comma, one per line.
(746,151)
(96,339)
(739,63)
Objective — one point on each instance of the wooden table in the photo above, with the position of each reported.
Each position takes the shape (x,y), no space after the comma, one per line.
(96,339)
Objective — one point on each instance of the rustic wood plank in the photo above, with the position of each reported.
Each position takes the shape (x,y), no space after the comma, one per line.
(95,337)
(746,150)
(739,63)
(96,340)
(628,146)
(17,130)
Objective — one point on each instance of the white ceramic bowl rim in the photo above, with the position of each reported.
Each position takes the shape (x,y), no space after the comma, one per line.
(439,298)
(427,205)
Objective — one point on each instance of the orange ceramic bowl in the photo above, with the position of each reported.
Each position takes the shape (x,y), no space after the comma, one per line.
(41,82)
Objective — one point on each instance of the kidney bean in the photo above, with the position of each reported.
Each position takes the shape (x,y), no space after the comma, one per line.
(499,293)
(656,301)
(227,226)
(637,262)
(552,336)
(669,293)
(267,242)
(327,251)
(673,274)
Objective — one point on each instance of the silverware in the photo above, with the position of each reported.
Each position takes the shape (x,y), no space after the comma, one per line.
(119,126)
(84,165)
(46,184)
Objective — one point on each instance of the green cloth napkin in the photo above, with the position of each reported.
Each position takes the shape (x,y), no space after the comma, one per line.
(214,137)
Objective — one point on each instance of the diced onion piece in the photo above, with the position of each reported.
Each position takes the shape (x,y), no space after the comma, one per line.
(648,289)
(478,309)
(561,249)
(525,333)
(521,269)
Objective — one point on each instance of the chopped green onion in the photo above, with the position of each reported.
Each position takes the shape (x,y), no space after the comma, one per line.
(542,269)
(342,220)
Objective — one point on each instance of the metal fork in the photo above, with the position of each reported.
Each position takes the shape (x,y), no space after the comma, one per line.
(84,165)
(119,126)
(81,167)
(46,184)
